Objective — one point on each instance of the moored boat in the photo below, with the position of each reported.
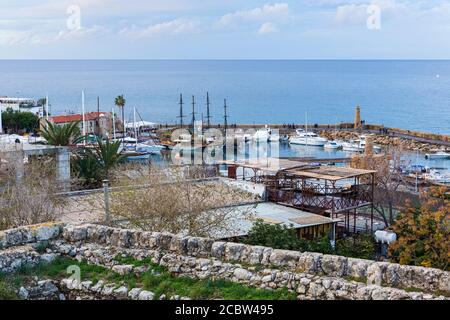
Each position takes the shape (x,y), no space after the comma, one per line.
(437,155)
(307,138)
(332,145)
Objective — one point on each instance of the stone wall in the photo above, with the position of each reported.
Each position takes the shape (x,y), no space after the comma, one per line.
(311,275)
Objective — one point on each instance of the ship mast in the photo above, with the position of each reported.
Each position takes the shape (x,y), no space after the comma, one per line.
(193,114)
(181,116)
(208,116)
(225,116)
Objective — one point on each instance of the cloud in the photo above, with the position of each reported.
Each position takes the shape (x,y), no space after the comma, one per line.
(267,13)
(267,28)
(177,26)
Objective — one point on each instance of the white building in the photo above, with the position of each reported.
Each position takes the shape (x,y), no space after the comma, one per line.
(21,104)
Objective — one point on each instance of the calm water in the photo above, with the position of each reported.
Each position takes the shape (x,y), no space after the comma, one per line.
(287,150)
(407,94)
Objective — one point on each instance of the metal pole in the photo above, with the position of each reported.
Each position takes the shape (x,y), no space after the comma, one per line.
(106,194)
(83,117)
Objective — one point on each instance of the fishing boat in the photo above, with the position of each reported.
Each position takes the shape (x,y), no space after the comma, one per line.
(332,145)
(307,138)
(437,155)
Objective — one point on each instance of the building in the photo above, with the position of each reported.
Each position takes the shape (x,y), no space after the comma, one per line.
(98,123)
(307,225)
(21,104)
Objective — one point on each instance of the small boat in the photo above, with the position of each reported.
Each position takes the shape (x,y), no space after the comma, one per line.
(437,155)
(138,154)
(332,145)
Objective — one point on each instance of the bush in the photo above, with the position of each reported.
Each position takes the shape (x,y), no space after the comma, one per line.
(423,232)
(283,237)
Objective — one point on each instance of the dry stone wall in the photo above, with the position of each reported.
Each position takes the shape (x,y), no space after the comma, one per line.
(311,275)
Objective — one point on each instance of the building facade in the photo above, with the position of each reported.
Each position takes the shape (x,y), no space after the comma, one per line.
(97,123)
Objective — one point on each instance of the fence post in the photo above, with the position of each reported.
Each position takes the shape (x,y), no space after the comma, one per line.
(106,194)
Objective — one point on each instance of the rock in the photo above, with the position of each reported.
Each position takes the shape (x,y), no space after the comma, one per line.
(146,295)
(75,233)
(123,269)
(305,281)
(284,258)
(48,257)
(375,274)
(218,249)
(235,251)
(334,265)
(44,233)
(326,283)
(108,289)
(98,286)
(121,292)
(242,274)
(23,293)
(255,256)
(86,285)
(162,297)
(134,293)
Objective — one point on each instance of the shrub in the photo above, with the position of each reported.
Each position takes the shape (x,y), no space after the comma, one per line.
(283,237)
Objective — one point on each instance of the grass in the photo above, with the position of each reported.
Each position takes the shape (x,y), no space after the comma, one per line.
(157,279)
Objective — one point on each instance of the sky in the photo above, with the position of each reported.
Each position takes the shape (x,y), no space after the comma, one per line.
(225,29)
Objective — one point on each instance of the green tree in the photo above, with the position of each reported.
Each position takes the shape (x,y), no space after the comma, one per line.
(120,101)
(62,135)
(15,121)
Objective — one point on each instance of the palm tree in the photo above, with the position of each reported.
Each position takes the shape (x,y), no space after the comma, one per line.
(120,102)
(95,164)
(107,155)
(63,135)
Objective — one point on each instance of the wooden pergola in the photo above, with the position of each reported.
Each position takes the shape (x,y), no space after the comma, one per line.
(322,189)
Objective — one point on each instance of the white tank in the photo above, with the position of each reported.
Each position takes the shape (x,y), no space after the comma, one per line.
(385,236)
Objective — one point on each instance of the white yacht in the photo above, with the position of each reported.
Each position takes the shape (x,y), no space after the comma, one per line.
(262,134)
(332,145)
(358,145)
(438,155)
(307,138)
(351,146)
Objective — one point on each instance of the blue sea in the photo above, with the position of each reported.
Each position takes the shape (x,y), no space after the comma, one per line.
(406,94)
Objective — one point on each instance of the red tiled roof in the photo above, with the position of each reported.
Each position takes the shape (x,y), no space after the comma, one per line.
(77,117)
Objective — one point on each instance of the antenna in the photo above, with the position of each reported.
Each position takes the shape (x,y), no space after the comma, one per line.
(181,116)
(225,116)
(208,116)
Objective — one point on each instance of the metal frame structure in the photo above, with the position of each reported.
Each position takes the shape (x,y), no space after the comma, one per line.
(332,191)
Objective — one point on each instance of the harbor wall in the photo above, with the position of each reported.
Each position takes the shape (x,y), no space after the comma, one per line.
(311,275)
